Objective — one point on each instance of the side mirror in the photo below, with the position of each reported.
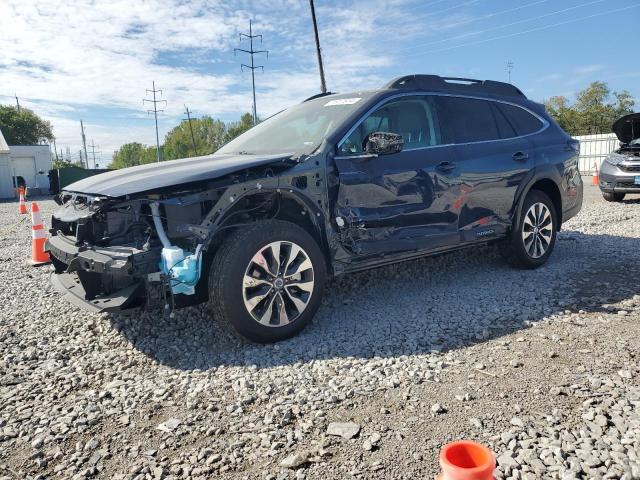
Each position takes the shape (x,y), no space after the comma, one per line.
(383,143)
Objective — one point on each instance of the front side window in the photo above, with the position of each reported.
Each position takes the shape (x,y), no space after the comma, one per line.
(415,118)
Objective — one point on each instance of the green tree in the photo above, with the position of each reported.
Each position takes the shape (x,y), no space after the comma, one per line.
(23,127)
(209,136)
(594,111)
(235,129)
(131,154)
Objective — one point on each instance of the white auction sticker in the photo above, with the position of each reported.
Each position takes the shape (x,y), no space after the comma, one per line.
(342,101)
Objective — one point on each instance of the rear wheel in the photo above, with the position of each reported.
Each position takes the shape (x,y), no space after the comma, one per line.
(613,197)
(531,241)
(266,281)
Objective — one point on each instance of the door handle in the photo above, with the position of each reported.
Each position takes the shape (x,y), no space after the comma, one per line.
(520,156)
(446,166)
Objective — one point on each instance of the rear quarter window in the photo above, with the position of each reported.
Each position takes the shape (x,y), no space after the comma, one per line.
(523,121)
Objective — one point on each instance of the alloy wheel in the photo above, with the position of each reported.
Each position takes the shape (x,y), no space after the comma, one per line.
(537,230)
(278,284)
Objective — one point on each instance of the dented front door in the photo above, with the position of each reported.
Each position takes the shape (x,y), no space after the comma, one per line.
(399,202)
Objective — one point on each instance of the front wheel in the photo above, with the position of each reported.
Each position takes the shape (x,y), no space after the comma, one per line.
(613,197)
(531,241)
(266,281)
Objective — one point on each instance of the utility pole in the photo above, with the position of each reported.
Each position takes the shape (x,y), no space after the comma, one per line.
(93,151)
(84,145)
(509,68)
(193,138)
(323,84)
(252,67)
(17,101)
(155,113)
(55,148)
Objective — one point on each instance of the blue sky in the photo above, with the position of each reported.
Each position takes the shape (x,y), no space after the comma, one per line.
(70,60)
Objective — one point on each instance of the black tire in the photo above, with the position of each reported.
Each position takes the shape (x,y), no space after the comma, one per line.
(613,197)
(514,249)
(227,274)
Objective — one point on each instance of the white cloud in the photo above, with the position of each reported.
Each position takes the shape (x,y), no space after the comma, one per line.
(67,59)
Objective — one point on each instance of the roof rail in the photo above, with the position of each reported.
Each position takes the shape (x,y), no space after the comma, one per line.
(317,95)
(466,85)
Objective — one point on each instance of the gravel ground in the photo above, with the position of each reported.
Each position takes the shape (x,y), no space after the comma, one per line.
(542,366)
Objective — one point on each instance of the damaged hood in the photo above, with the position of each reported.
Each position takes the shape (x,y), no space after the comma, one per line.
(627,128)
(151,176)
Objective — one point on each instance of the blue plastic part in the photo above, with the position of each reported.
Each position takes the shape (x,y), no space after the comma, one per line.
(184,274)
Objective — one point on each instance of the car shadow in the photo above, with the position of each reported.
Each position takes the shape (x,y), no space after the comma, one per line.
(432,304)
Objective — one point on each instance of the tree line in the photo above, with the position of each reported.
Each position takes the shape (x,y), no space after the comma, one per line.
(208,136)
(593,111)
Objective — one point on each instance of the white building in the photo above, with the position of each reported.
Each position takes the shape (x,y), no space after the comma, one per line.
(32,163)
(24,163)
(6,187)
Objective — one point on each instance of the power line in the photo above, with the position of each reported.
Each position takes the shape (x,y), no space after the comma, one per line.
(155,111)
(323,83)
(499,27)
(515,34)
(252,67)
(489,15)
(193,138)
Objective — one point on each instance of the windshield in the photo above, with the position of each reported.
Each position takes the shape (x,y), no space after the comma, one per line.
(297,130)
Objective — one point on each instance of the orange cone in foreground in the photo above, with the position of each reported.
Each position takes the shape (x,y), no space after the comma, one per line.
(22,207)
(595,179)
(39,237)
(466,460)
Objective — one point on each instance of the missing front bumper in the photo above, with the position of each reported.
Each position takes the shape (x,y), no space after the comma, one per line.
(124,299)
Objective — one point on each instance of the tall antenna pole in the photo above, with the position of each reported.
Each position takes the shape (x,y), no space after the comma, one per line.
(509,68)
(17,101)
(193,138)
(84,145)
(323,84)
(252,67)
(155,111)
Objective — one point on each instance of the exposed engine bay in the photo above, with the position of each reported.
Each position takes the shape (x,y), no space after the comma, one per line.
(151,249)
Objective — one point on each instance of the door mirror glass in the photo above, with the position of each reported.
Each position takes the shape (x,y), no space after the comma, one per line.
(383,143)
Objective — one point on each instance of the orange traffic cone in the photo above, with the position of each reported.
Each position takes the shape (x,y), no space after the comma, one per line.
(466,460)
(595,179)
(22,207)
(39,237)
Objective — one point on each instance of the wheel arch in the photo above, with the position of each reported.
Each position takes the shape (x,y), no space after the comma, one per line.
(547,185)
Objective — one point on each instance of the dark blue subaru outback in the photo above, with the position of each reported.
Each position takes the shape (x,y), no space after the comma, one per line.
(336,184)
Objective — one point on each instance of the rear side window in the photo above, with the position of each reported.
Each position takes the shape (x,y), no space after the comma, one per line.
(523,121)
(469,120)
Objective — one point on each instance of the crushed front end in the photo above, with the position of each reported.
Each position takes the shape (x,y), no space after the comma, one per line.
(107,253)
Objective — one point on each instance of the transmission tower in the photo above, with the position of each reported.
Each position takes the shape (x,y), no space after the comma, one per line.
(509,68)
(84,146)
(251,67)
(193,138)
(155,111)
